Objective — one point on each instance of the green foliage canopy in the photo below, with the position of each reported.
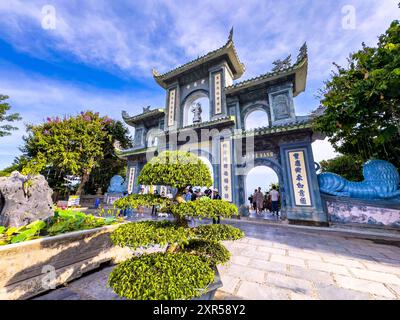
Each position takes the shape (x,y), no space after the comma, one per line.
(349,167)
(161,276)
(362,116)
(205,209)
(69,146)
(211,252)
(4,117)
(149,233)
(177,169)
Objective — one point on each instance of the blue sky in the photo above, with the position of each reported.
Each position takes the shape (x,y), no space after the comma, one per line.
(101,53)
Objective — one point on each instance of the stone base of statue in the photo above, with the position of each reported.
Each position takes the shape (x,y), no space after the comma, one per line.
(110,198)
(362,212)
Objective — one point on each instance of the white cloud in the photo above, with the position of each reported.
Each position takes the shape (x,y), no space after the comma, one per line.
(323,150)
(37,98)
(129,38)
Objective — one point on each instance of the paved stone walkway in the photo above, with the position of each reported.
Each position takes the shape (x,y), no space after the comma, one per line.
(280,262)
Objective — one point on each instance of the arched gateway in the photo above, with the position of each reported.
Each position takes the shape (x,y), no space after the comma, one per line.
(224,137)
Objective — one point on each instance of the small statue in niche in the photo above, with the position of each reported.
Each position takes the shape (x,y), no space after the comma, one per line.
(196,110)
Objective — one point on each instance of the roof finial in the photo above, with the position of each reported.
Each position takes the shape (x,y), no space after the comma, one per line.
(230,38)
(155,72)
(302,52)
(280,65)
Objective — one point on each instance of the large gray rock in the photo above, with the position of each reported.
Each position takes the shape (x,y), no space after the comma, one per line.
(21,205)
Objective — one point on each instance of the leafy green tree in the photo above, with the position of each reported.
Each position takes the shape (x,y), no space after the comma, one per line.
(69,146)
(362,101)
(188,264)
(4,117)
(177,169)
(111,164)
(348,167)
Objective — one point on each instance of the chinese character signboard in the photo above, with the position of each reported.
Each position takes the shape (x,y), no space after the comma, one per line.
(131,180)
(226,192)
(299,178)
(171,107)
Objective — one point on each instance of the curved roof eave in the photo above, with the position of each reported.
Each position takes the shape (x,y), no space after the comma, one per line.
(228,49)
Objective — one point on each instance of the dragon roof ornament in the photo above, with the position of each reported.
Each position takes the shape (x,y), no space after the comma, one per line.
(282,68)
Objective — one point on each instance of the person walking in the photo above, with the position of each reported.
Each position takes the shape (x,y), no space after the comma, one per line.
(187,194)
(154,208)
(251,201)
(216,196)
(254,199)
(275,201)
(141,208)
(259,201)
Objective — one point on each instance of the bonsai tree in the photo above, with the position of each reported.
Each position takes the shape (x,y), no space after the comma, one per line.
(185,263)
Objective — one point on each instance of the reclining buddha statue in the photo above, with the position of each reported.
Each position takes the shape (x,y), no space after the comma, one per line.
(381,181)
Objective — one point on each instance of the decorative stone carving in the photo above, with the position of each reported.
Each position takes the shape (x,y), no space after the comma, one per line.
(282,64)
(117,185)
(138,137)
(281,107)
(196,110)
(24,199)
(381,181)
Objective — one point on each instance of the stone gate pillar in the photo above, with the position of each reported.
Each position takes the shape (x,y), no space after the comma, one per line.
(303,199)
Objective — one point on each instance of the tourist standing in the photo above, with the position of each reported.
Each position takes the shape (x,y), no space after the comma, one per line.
(259,200)
(169,194)
(141,208)
(254,197)
(275,201)
(251,200)
(154,208)
(216,196)
(187,195)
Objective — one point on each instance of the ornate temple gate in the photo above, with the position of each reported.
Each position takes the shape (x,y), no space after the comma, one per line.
(283,144)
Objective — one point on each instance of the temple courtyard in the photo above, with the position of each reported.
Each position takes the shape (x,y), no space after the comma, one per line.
(287,262)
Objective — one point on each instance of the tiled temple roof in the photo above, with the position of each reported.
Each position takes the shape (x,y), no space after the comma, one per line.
(301,122)
(134,151)
(206,124)
(146,114)
(299,69)
(227,49)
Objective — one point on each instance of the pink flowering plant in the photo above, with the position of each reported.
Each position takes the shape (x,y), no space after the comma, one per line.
(72,144)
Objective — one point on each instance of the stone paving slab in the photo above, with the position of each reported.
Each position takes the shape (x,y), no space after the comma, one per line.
(286,263)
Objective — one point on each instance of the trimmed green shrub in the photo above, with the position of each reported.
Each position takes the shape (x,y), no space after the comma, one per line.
(217,232)
(161,276)
(205,209)
(177,169)
(134,201)
(149,233)
(212,252)
(192,255)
